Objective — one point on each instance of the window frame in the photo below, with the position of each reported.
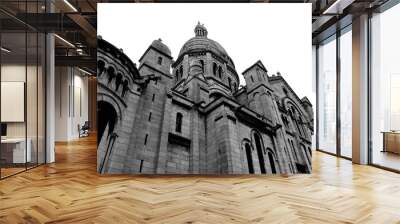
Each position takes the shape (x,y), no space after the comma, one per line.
(178,122)
(334,37)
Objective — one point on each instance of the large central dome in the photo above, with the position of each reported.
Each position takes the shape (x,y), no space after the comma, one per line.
(201,43)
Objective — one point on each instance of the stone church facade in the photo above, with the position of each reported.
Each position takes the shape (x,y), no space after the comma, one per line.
(189,115)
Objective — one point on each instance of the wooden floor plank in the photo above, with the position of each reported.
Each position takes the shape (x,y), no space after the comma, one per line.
(70,191)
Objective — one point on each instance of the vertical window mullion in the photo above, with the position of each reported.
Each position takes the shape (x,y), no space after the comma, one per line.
(37,92)
(26,87)
(338,81)
(0,88)
(369,89)
(317,97)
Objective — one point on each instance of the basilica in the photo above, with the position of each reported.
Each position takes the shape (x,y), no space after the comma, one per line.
(190,115)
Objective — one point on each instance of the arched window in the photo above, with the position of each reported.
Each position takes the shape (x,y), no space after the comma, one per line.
(302,127)
(260,154)
(258,74)
(298,127)
(284,90)
(215,69)
(202,65)
(271,161)
(251,77)
(101,67)
(118,81)
(230,83)
(181,71)
(177,75)
(106,118)
(111,73)
(285,121)
(125,87)
(294,150)
(249,157)
(159,61)
(178,125)
(220,72)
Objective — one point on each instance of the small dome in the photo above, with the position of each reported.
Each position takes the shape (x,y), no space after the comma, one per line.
(159,45)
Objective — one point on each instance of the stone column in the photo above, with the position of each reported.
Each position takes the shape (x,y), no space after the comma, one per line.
(233,141)
(163,150)
(194,146)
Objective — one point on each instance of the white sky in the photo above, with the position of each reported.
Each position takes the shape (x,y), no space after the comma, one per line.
(277,34)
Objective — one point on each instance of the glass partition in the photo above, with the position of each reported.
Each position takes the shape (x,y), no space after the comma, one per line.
(14,153)
(31,97)
(346,93)
(22,88)
(327,95)
(385,89)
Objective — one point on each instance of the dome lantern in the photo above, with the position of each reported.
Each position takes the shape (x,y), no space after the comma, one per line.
(200,30)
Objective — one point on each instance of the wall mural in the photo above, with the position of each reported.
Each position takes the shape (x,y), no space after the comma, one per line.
(191,116)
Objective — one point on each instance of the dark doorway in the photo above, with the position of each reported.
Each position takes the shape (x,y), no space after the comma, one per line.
(301,168)
(106,115)
(260,153)
(272,162)
(249,158)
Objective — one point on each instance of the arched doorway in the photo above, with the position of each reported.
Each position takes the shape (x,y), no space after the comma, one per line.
(272,162)
(249,157)
(106,115)
(260,154)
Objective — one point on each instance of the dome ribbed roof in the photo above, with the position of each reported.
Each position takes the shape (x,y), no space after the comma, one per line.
(161,47)
(202,43)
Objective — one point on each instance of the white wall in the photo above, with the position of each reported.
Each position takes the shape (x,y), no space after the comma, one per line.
(33,126)
(12,73)
(71,102)
(17,73)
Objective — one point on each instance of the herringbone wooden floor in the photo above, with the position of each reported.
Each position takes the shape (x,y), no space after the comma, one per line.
(70,191)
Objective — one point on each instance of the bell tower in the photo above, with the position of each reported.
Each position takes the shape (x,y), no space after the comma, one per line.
(256,75)
(259,91)
(158,57)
